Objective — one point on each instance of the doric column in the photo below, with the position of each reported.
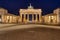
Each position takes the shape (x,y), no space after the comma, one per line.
(21,17)
(5,18)
(12,19)
(24,17)
(36,17)
(2,18)
(32,17)
(27,17)
(9,20)
(58,18)
(39,18)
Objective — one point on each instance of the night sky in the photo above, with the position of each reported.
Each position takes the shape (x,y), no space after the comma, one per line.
(13,6)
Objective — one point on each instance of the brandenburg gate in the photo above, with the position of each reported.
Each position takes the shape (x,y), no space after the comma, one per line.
(30,15)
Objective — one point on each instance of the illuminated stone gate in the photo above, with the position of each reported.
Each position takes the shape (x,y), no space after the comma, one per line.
(30,15)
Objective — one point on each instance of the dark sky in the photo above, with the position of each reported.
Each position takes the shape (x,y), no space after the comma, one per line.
(13,6)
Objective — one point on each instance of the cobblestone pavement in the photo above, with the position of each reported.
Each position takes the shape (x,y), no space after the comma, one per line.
(32,34)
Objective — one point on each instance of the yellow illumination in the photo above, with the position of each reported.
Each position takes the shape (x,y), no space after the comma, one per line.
(52,17)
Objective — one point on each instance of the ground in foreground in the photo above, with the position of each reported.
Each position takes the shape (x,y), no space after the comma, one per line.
(32,34)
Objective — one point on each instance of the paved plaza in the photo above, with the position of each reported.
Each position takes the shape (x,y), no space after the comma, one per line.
(32,34)
(29,32)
